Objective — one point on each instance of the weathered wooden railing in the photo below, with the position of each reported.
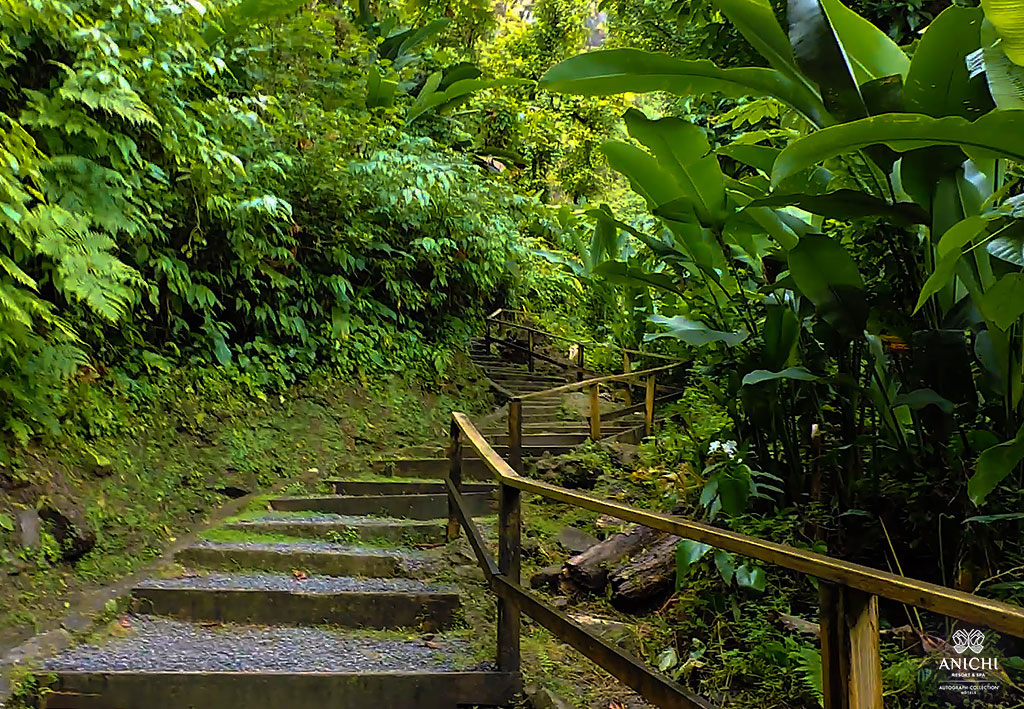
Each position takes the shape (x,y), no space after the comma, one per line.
(849,593)
(594,415)
(495,324)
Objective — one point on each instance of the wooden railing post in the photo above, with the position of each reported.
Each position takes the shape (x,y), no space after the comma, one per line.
(515,435)
(509,558)
(529,346)
(851,666)
(487,334)
(649,406)
(627,367)
(455,475)
(595,412)
(579,363)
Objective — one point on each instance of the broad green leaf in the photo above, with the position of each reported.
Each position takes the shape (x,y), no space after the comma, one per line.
(688,552)
(763,375)
(1008,244)
(948,252)
(725,564)
(619,71)
(433,99)
(1007,16)
(1003,303)
(623,274)
(848,204)
(6,523)
(827,275)
(870,51)
(939,83)
(999,133)
(734,490)
(1005,78)
(760,157)
(989,519)
(667,659)
(821,56)
(751,577)
(780,333)
(682,149)
(221,350)
(920,398)
(693,333)
(993,466)
(645,174)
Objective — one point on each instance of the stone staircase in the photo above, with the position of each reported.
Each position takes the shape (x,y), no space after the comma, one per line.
(331,600)
(317,601)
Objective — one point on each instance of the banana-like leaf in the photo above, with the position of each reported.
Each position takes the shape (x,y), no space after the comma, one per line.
(1005,79)
(821,56)
(1007,16)
(826,274)
(682,149)
(763,375)
(759,157)
(619,71)
(999,133)
(1003,304)
(694,333)
(646,176)
(624,274)
(920,398)
(439,100)
(948,252)
(848,204)
(780,333)
(870,51)
(993,466)
(939,83)
(1008,244)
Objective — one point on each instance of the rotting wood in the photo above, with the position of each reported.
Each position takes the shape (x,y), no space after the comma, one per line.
(646,579)
(590,569)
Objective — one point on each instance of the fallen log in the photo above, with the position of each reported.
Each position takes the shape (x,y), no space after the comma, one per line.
(648,579)
(588,570)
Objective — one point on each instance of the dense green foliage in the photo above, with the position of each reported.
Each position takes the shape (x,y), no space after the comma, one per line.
(170,195)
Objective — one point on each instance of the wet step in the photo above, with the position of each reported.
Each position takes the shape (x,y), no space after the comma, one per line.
(159,663)
(528,451)
(298,599)
(397,487)
(312,557)
(436,468)
(536,440)
(420,507)
(348,528)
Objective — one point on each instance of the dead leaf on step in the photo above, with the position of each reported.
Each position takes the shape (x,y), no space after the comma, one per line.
(211,624)
(299,574)
(432,645)
(616,704)
(125,622)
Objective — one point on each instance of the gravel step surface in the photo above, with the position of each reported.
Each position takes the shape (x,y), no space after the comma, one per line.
(308,546)
(319,517)
(287,582)
(151,644)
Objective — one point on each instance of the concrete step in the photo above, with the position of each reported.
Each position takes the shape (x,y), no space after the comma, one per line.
(436,468)
(284,599)
(422,507)
(309,556)
(161,663)
(397,487)
(347,527)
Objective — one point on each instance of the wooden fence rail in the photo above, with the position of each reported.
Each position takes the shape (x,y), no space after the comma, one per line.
(849,593)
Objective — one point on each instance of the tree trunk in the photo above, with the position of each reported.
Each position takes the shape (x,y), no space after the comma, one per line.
(648,579)
(589,569)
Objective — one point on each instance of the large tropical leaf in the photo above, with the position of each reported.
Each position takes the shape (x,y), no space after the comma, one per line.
(694,333)
(764,375)
(1005,79)
(1003,303)
(948,252)
(939,83)
(618,71)
(999,133)
(821,56)
(870,51)
(433,98)
(826,274)
(993,466)
(1007,16)
(645,174)
(682,149)
(848,204)
(624,274)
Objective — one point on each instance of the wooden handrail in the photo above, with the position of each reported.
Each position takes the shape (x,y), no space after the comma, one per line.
(1003,617)
(596,381)
(848,598)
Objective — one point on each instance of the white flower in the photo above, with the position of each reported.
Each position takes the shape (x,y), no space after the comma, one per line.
(728,447)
